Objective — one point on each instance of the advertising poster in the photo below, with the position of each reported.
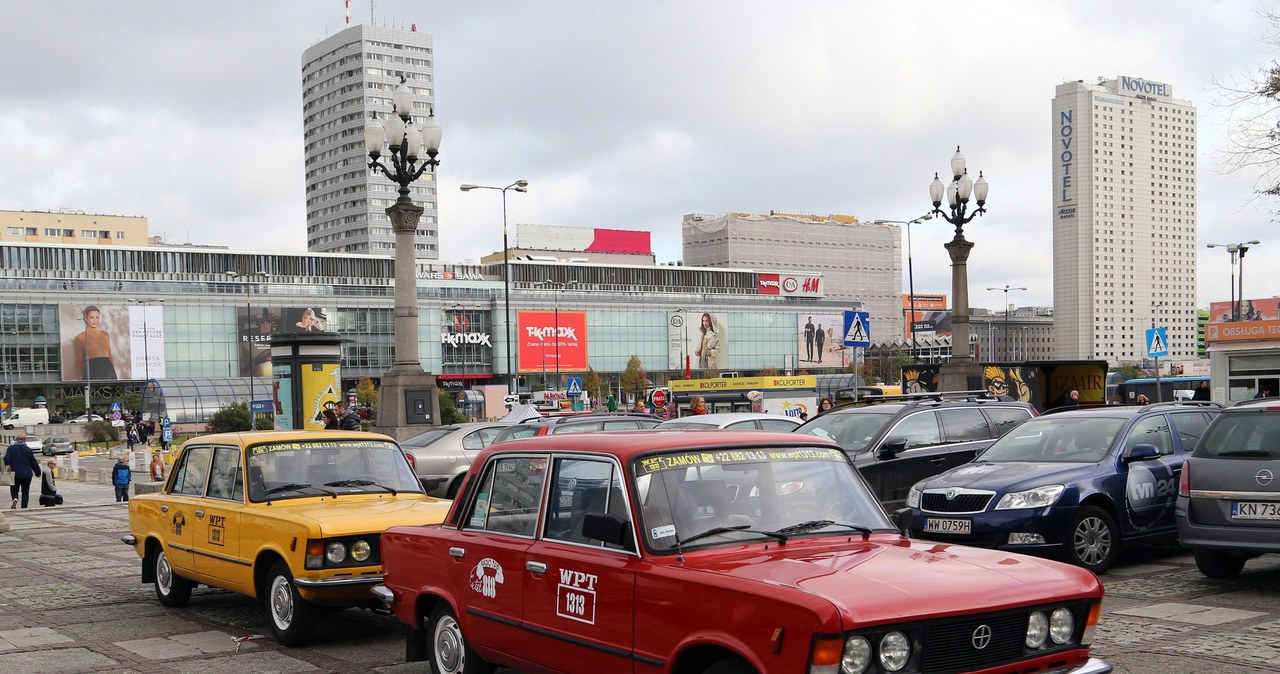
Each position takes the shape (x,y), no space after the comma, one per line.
(1017,382)
(282,392)
(546,339)
(255,326)
(96,338)
(321,389)
(916,309)
(146,341)
(821,340)
(709,340)
(1247,320)
(678,345)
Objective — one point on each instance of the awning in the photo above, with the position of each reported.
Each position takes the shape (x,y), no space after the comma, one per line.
(470,397)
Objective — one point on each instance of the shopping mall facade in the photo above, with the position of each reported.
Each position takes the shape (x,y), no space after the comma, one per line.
(184,313)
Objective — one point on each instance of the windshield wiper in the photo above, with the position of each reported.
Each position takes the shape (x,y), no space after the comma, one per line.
(360,483)
(745,528)
(297,486)
(818,524)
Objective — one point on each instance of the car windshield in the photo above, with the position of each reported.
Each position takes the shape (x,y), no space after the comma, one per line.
(853,431)
(279,470)
(728,496)
(424,439)
(1244,434)
(1056,438)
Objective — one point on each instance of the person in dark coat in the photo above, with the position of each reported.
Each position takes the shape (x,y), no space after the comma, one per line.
(49,488)
(348,420)
(1202,392)
(22,461)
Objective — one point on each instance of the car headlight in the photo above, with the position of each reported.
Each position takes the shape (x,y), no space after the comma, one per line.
(1037,630)
(1039,497)
(360,550)
(895,650)
(335,552)
(913,496)
(1061,624)
(857,656)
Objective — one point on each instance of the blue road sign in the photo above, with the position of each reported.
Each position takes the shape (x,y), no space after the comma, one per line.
(575,386)
(1157,342)
(261,406)
(857,329)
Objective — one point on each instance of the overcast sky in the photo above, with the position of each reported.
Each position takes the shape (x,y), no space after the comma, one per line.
(624,115)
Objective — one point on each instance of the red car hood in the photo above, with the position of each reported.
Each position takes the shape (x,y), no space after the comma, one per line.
(889,578)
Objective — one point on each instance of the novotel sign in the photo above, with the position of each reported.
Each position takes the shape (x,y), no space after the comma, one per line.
(1137,86)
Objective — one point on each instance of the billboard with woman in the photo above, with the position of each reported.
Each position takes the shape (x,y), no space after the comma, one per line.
(95,339)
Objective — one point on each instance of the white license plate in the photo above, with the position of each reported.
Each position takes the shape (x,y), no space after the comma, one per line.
(934,525)
(1255,510)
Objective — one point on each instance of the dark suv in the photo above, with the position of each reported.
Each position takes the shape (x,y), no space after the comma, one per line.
(577,423)
(1076,484)
(1229,498)
(896,441)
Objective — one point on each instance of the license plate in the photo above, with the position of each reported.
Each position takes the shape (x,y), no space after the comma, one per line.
(933,525)
(1255,510)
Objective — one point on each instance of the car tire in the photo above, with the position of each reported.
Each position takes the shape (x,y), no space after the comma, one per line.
(290,617)
(172,590)
(447,649)
(1218,564)
(730,666)
(1093,540)
(452,492)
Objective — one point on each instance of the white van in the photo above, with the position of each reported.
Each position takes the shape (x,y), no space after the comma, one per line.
(27,416)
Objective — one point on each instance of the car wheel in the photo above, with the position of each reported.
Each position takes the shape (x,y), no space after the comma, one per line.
(1218,564)
(172,590)
(730,666)
(448,650)
(1094,541)
(290,617)
(452,492)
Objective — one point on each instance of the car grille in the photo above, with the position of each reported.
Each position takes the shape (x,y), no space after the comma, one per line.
(962,503)
(949,646)
(989,541)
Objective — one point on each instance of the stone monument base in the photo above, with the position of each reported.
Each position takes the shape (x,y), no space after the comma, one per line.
(408,404)
(960,377)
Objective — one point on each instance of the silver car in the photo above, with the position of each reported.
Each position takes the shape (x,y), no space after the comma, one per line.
(441,456)
(737,421)
(1228,506)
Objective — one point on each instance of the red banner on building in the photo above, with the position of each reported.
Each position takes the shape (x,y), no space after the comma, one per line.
(549,337)
(789,285)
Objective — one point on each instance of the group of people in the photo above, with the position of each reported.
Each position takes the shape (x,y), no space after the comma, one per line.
(340,418)
(21,461)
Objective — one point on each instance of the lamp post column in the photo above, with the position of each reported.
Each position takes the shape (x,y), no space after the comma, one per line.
(518,186)
(961,373)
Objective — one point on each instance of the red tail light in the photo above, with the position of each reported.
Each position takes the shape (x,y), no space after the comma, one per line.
(412,463)
(542,430)
(1184,483)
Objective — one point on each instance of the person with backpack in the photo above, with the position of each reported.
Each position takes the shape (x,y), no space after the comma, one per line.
(121,476)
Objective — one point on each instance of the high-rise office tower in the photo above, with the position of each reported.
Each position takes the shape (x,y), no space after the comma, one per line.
(1124,219)
(346,78)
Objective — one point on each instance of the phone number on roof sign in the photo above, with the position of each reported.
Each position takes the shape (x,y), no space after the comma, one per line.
(318,444)
(653,464)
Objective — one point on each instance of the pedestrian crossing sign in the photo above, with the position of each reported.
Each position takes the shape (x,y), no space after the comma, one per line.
(1157,342)
(857,329)
(575,386)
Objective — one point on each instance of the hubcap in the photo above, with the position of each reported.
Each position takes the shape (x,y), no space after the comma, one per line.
(281,602)
(164,574)
(449,646)
(1092,541)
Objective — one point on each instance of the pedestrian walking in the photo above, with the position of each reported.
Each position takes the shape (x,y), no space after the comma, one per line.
(121,476)
(157,468)
(20,459)
(348,420)
(330,420)
(48,488)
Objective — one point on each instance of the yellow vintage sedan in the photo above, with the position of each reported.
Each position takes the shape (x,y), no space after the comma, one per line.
(289,517)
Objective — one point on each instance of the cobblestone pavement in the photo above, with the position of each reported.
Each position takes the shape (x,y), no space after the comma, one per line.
(71,601)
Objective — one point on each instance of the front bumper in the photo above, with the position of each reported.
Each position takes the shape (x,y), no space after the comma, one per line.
(1093,666)
(991,529)
(337,582)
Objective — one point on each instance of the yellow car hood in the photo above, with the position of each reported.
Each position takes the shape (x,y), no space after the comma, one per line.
(347,515)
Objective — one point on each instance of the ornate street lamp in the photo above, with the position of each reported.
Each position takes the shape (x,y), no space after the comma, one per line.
(957,194)
(518,186)
(408,391)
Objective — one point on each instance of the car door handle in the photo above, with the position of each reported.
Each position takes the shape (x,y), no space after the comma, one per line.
(164,508)
(938,460)
(199,513)
(536,567)
(457,553)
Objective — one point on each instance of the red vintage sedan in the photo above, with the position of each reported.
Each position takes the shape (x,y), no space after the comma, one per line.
(714,552)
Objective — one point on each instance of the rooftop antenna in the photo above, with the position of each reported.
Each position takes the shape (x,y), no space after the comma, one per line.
(371,12)
(347,4)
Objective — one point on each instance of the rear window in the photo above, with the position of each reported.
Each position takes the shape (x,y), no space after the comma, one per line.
(1244,435)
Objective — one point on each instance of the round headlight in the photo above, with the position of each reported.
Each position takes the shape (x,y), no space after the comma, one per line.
(857,656)
(1037,630)
(895,650)
(1061,625)
(360,550)
(335,553)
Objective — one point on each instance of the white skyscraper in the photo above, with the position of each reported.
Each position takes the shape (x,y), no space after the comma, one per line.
(346,78)
(1124,219)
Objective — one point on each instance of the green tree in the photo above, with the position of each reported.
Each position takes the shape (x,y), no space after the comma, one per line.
(449,413)
(234,417)
(366,392)
(74,405)
(132,401)
(101,431)
(769,372)
(1130,371)
(591,384)
(634,378)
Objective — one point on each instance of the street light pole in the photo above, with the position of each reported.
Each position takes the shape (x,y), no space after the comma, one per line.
(957,194)
(1237,251)
(146,352)
(1155,306)
(518,186)
(1006,290)
(560,287)
(911,276)
(248,321)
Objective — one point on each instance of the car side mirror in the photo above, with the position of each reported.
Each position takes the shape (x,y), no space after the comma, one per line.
(890,448)
(903,518)
(608,528)
(1142,453)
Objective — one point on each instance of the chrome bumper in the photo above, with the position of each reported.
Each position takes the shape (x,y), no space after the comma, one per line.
(1093,666)
(340,581)
(129,539)
(383,594)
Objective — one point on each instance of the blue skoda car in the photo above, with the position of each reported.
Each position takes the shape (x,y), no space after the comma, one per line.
(1076,484)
